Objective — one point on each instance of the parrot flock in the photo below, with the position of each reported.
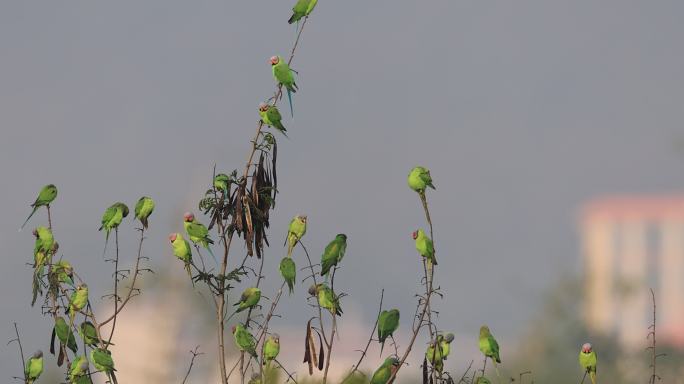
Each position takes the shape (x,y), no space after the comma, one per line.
(58,276)
(79,372)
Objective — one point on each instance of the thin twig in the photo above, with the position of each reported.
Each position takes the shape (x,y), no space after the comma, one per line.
(355,367)
(116,284)
(21,351)
(426,301)
(289,375)
(195,353)
(131,289)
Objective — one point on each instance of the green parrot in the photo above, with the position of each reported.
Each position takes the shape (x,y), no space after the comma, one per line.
(288,270)
(434,355)
(445,344)
(78,301)
(88,333)
(301,9)
(45,247)
(64,334)
(197,232)
(295,232)
(45,241)
(46,196)
(489,347)
(143,209)
(270,115)
(385,372)
(250,297)
(388,322)
(284,76)
(244,340)
(326,298)
(221,182)
(102,360)
(78,372)
(424,246)
(271,348)
(182,250)
(333,253)
(419,179)
(34,367)
(64,272)
(112,218)
(588,360)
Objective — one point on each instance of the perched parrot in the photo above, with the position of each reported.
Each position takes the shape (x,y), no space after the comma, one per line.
(588,360)
(434,354)
(45,247)
(270,115)
(271,348)
(288,270)
(102,360)
(250,297)
(45,241)
(64,272)
(388,322)
(64,334)
(295,232)
(489,347)
(78,372)
(88,333)
(244,340)
(112,218)
(326,298)
(445,344)
(197,232)
(34,367)
(182,250)
(385,372)
(143,209)
(221,182)
(284,76)
(46,196)
(424,246)
(301,9)
(419,179)
(333,253)
(78,301)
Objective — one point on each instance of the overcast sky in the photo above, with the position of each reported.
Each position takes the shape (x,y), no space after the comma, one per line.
(522,110)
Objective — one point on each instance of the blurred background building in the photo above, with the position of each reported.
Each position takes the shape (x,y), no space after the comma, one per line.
(631,244)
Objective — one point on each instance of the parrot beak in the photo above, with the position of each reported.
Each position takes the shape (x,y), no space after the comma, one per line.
(188,216)
(415,235)
(35,232)
(232,329)
(172,237)
(274,60)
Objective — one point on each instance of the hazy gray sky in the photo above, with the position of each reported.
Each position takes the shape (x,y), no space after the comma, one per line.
(522,110)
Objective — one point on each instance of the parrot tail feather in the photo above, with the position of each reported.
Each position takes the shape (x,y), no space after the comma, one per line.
(104,251)
(29,217)
(592,376)
(289,99)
